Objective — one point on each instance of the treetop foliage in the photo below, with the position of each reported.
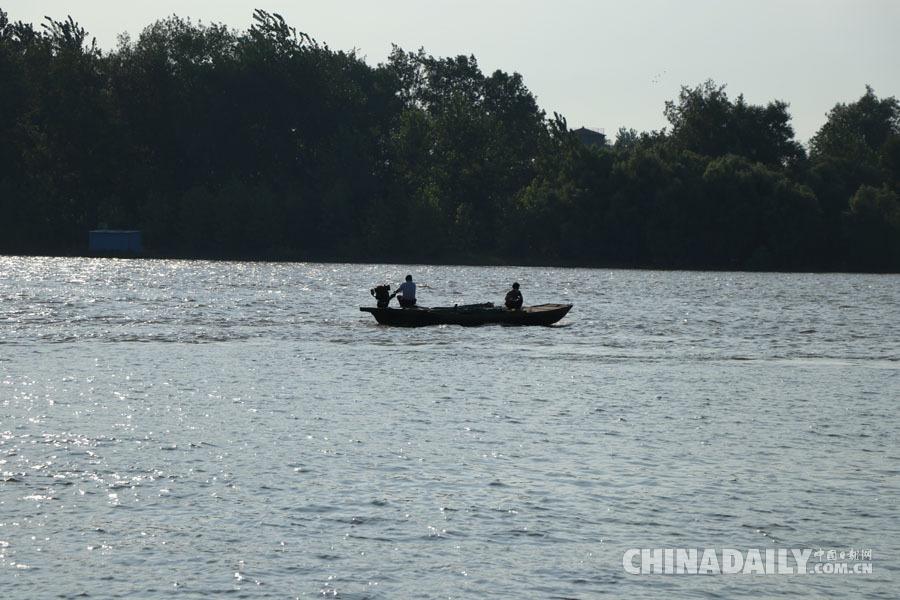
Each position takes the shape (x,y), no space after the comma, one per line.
(858,130)
(705,121)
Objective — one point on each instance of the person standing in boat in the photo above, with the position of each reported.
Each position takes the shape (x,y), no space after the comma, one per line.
(406,293)
(514,298)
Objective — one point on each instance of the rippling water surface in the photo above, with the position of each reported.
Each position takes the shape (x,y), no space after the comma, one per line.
(205,429)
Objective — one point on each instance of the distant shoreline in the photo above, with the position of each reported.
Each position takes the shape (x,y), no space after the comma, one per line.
(435,263)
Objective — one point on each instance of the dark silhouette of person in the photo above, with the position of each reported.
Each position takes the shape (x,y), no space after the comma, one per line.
(514,298)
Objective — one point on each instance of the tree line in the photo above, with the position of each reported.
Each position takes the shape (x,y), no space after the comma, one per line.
(267,144)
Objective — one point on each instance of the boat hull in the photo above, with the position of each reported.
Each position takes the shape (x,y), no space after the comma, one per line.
(469,315)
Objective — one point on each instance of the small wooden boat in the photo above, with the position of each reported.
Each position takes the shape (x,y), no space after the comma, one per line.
(469,314)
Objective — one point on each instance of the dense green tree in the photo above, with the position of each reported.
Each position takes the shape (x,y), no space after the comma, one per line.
(856,146)
(872,229)
(858,130)
(16,93)
(59,140)
(626,138)
(705,121)
(465,146)
(559,215)
(855,149)
(889,161)
(757,217)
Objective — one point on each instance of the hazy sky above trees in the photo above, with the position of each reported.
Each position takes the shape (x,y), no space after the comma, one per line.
(601,64)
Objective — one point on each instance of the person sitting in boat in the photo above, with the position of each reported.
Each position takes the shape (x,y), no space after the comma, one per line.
(406,293)
(514,298)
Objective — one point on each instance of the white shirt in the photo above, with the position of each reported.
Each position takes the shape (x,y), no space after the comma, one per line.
(407,289)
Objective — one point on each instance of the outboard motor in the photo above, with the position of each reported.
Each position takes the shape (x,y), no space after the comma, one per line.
(382,294)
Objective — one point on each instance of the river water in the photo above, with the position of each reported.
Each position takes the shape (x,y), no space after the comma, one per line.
(191,429)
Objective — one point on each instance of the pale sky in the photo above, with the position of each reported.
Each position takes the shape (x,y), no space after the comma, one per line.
(600,63)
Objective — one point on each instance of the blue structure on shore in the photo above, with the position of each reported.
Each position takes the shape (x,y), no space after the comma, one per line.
(114,240)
